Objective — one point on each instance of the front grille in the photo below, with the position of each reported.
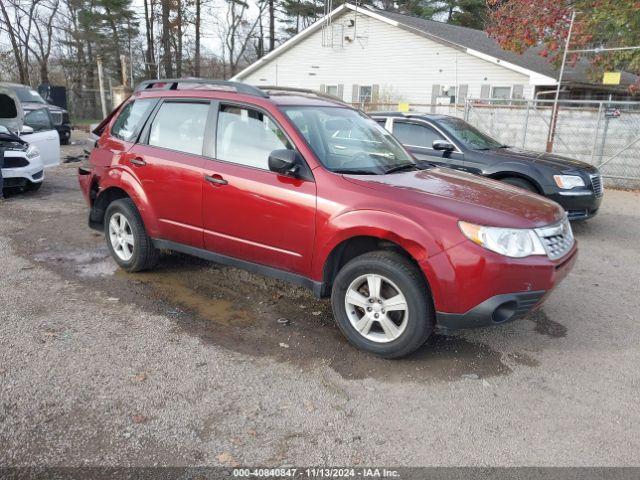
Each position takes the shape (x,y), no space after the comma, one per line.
(37,175)
(65,117)
(57,118)
(596,184)
(557,239)
(15,162)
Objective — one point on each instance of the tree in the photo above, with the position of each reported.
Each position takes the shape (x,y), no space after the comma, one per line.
(16,44)
(468,13)
(299,14)
(43,36)
(166,38)
(520,24)
(196,68)
(237,33)
(150,56)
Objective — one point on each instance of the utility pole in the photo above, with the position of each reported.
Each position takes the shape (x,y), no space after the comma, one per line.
(554,114)
(272,26)
(123,63)
(130,55)
(101,84)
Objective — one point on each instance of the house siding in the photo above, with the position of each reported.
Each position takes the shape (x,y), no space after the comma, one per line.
(404,66)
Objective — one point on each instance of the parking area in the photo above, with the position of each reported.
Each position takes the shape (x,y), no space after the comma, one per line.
(199,364)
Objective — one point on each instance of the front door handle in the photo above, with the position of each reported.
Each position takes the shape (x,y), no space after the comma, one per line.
(215,179)
(138,161)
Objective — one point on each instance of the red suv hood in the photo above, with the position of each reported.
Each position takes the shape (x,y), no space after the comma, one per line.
(485,201)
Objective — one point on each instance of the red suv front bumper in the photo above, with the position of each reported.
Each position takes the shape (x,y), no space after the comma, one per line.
(473,287)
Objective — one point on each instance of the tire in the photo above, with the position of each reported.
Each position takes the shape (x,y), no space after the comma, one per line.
(32,187)
(127,240)
(398,276)
(520,182)
(64,141)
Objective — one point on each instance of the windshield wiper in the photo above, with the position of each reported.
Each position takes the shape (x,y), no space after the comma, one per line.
(354,171)
(402,166)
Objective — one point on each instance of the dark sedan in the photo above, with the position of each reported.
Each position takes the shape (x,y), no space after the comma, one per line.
(452,142)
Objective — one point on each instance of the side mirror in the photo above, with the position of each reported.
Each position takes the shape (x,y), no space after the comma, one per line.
(442,145)
(284,162)
(26,130)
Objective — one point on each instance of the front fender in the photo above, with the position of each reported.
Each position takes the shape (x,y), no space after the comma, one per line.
(412,237)
(530,172)
(123,179)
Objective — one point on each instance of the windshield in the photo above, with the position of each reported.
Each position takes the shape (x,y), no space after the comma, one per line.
(26,94)
(347,141)
(470,136)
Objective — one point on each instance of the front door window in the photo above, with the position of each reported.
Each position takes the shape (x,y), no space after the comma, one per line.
(415,135)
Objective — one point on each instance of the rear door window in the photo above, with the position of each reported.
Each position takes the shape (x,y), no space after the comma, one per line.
(413,134)
(131,119)
(180,126)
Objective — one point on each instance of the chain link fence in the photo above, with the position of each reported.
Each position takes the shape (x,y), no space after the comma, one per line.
(602,133)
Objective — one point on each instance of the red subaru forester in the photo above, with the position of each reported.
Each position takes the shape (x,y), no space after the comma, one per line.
(301,187)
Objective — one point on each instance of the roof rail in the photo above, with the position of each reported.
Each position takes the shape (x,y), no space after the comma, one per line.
(299,90)
(172,84)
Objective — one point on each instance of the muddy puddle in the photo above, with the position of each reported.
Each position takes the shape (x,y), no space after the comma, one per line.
(255,315)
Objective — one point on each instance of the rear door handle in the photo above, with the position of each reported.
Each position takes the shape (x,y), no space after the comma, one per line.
(215,179)
(138,161)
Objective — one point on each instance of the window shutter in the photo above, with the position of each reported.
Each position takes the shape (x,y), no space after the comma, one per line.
(485,91)
(354,94)
(463,91)
(375,93)
(517,91)
(341,91)
(435,93)
(323,88)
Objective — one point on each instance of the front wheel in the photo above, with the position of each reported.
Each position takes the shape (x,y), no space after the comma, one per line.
(382,304)
(32,187)
(127,238)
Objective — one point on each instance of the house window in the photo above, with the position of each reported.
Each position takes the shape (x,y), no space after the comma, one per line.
(502,93)
(332,90)
(365,94)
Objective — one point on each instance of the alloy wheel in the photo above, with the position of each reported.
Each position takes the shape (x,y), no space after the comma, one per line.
(121,237)
(376,308)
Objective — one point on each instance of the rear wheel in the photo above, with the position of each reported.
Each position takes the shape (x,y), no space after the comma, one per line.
(520,182)
(381,304)
(127,238)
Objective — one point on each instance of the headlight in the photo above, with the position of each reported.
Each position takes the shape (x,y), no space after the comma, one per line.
(511,242)
(32,152)
(568,182)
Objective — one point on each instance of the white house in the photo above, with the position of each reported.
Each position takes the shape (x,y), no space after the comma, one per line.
(361,54)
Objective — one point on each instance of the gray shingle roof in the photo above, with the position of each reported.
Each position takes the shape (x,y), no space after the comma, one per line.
(480,41)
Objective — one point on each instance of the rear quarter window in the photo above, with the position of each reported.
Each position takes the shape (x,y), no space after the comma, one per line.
(131,119)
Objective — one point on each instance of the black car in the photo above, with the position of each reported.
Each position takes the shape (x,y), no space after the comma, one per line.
(451,142)
(31,100)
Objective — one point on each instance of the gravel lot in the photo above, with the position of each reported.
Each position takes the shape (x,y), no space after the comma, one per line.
(188,365)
